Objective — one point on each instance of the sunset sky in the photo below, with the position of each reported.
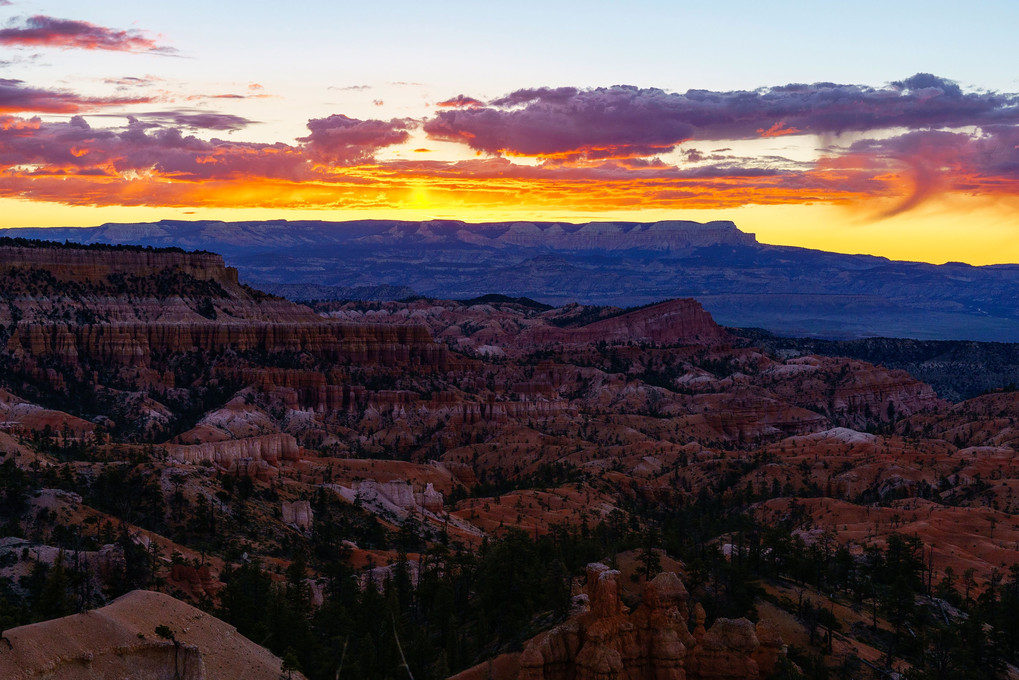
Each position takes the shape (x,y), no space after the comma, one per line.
(889,128)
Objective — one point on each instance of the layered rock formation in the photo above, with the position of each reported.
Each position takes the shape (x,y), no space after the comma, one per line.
(143,333)
(134,344)
(988,420)
(852,392)
(122,307)
(271,448)
(96,264)
(518,416)
(608,642)
(395,496)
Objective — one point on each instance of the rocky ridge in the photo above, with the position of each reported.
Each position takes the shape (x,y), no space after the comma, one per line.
(743,283)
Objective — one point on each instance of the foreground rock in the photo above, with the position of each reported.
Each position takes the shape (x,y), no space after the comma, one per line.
(119,641)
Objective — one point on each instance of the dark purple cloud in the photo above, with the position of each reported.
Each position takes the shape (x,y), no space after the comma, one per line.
(156,144)
(559,95)
(344,141)
(460,101)
(616,122)
(930,82)
(131,81)
(44,31)
(76,147)
(16,97)
(195,120)
(625,121)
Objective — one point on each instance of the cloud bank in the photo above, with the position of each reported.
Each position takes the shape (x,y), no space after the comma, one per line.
(343,140)
(17,97)
(45,31)
(892,147)
(625,121)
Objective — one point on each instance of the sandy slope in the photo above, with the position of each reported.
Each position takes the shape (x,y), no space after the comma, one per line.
(119,641)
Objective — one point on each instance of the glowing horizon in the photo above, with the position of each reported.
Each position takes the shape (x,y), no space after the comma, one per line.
(911,166)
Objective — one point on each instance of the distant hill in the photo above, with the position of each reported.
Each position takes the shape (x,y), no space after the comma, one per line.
(791,291)
(306,292)
(956,369)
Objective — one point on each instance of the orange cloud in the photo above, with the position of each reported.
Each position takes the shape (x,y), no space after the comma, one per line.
(777,130)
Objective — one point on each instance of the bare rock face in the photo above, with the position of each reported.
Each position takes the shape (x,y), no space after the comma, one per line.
(491,330)
(770,649)
(134,343)
(255,469)
(396,496)
(987,420)
(298,513)
(661,622)
(270,448)
(198,579)
(669,323)
(726,650)
(607,642)
(746,415)
(431,499)
(141,329)
(84,265)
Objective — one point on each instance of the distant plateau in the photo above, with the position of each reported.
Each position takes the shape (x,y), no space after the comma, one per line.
(742,283)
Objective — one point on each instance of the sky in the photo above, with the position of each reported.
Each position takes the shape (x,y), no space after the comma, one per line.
(889,128)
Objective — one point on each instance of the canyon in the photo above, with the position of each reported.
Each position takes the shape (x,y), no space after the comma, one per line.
(170,427)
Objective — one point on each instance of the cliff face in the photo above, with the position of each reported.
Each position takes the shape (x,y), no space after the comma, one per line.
(135,344)
(544,418)
(121,307)
(85,265)
(141,336)
(665,236)
(271,448)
